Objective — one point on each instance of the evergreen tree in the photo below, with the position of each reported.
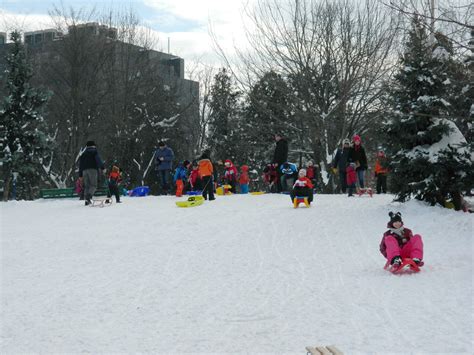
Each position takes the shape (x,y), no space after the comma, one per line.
(429,156)
(24,144)
(223,138)
(269,110)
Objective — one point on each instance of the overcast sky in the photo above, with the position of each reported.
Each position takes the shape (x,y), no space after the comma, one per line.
(185,22)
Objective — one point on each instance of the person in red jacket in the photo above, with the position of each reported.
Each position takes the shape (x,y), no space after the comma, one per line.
(311,172)
(194,178)
(230,176)
(270,177)
(399,242)
(244,179)
(303,187)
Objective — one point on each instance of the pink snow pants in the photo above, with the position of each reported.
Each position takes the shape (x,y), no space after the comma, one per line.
(412,249)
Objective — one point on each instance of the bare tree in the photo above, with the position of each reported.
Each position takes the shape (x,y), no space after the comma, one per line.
(455,18)
(203,74)
(336,54)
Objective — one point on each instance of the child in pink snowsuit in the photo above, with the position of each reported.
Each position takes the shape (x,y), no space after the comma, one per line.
(399,242)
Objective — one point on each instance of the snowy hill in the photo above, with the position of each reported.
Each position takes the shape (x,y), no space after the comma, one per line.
(242,274)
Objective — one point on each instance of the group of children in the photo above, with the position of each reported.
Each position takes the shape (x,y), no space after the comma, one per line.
(201,176)
(350,162)
(280,179)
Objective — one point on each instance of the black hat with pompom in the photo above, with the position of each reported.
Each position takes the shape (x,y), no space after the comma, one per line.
(395,217)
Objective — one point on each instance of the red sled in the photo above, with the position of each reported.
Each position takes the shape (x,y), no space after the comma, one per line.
(408,266)
(367,191)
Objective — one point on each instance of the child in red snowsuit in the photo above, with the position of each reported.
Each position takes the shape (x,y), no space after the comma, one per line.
(399,242)
(302,187)
(351,178)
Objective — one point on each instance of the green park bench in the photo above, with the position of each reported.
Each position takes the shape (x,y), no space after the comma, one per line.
(68,193)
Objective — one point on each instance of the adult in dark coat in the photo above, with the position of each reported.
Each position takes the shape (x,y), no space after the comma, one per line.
(280,156)
(357,155)
(340,163)
(89,165)
(164,161)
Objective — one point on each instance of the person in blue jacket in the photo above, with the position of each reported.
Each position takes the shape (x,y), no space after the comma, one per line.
(289,174)
(163,162)
(180,177)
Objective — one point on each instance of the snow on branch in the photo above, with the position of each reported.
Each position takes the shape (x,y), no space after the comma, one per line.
(167,122)
(453,138)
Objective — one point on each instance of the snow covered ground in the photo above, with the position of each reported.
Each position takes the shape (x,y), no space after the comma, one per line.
(242,274)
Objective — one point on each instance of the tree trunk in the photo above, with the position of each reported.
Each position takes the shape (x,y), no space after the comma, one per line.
(6,188)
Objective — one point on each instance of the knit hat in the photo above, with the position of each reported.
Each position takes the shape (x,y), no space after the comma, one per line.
(395,217)
(356,138)
(90,144)
(346,141)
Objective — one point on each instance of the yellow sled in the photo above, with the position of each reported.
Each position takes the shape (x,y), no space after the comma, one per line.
(257,192)
(223,190)
(300,199)
(192,201)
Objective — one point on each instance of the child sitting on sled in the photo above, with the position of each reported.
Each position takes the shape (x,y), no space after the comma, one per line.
(399,243)
(303,187)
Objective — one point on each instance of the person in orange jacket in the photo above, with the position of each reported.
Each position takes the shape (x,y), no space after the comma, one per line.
(244,179)
(302,187)
(206,171)
(381,171)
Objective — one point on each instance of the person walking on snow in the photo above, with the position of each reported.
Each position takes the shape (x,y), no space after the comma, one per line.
(357,155)
(340,163)
(381,171)
(206,171)
(399,242)
(114,180)
(89,165)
